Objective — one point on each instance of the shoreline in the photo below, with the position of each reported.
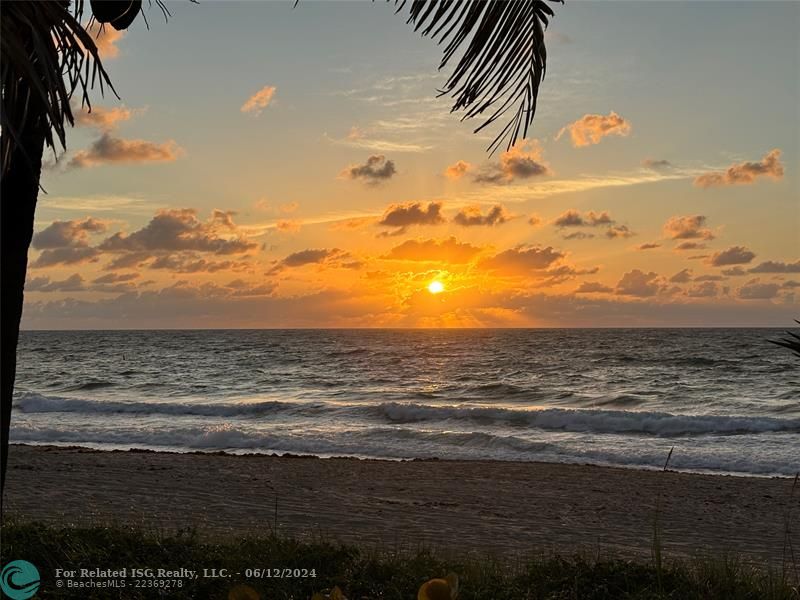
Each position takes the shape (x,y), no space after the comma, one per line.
(293,455)
(480,507)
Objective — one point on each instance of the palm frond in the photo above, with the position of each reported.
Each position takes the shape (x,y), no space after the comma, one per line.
(503,61)
(48,56)
(792,342)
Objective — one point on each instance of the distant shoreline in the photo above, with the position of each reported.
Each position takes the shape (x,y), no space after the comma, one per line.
(554,328)
(481,506)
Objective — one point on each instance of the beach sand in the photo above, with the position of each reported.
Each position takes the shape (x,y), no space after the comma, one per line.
(478,507)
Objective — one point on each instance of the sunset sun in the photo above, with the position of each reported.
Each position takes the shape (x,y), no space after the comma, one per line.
(435,287)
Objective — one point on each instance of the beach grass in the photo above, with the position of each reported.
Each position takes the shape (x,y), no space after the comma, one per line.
(369,572)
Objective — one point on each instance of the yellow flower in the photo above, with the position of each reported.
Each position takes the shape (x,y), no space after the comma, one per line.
(439,589)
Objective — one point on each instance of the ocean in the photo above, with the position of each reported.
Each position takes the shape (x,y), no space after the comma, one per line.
(725,399)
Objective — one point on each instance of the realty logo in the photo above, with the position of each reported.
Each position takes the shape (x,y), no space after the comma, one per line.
(19,580)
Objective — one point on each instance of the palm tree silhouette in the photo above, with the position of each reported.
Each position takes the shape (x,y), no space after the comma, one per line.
(48,56)
(792,342)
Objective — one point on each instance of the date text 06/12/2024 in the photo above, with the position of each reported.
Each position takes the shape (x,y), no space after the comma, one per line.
(182,573)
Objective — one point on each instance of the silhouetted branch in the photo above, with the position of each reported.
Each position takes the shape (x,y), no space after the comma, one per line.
(792,342)
(503,62)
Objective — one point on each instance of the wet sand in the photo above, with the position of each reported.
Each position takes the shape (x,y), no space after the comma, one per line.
(479,507)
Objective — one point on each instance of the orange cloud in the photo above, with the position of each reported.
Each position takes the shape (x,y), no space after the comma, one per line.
(112,150)
(457,170)
(103,118)
(744,173)
(687,228)
(259,101)
(590,129)
(105,38)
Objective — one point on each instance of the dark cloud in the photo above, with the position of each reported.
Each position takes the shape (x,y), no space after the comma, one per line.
(683,276)
(734,272)
(744,173)
(735,255)
(376,170)
(648,246)
(578,235)
(687,228)
(127,261)
(656,165)
(65,256)
(310,256)
(449,250)
(640,284)
(709,278)
(523,161)
(522,259)
(619,231)
(402,216)
(573,218)
(772,266)
(562,273)
(73,283)
(180,229)
(116,278)
(108,149)
(755,290)
(472,216)
(329,257)
(707,289)
(63,234)
(593,287)
(691,246)
(191,263)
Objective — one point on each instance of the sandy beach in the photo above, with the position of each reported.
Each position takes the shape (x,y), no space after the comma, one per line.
(506,508)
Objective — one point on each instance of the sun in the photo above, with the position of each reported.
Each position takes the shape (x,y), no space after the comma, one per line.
(435,287)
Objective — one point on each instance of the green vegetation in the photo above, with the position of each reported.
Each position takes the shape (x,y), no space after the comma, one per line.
(363,573)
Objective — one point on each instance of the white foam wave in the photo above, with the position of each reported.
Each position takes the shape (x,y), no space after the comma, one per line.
(37,403)
(398,442)
(603,421)
(587,420)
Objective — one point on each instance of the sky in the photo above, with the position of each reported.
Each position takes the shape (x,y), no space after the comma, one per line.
(271,166)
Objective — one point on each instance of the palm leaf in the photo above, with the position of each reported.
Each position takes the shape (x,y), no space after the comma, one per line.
(48,57)
(48,52)
(503,59)
(792,342)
